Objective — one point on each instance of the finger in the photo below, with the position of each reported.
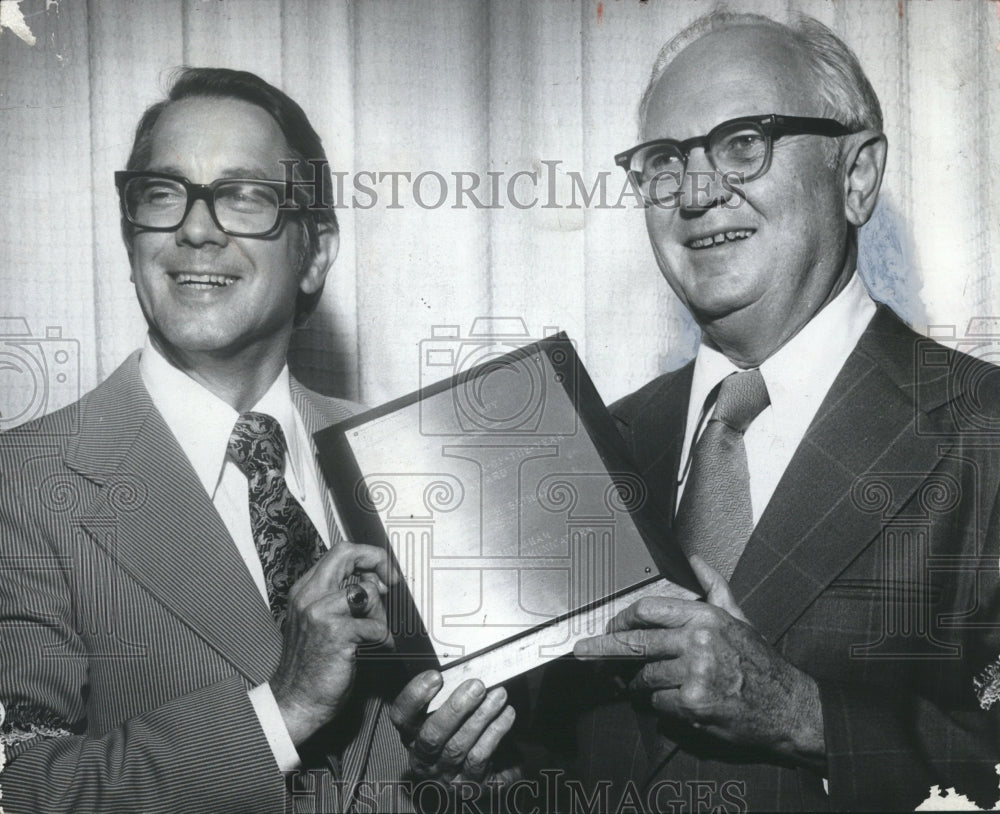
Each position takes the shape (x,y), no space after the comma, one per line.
(360,599)
(697,711)
(716,588)
(368,631)
(453,754)
(667,674)
(653,643)
(386,571)
(671,590)
(375,582)
(335,566)
(373,585)
(477,761)
(668,702)
(654,611)
(376,611)
(360,557)
(407,711)
(438,729)
(506,776)
(330,612)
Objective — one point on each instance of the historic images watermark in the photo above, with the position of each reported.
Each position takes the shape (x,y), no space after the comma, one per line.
(548,186)
(40,373)
(954,411)
(84,522)
(552,791)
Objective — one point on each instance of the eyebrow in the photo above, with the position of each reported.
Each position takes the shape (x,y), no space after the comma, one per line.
(256,173)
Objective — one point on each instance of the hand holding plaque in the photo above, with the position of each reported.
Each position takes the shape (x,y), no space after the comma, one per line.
(505,498)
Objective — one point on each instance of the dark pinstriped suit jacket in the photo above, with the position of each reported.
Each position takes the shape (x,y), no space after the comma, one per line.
(128,620)
(874,569)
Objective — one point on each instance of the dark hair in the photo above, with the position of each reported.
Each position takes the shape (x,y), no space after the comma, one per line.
(303,144)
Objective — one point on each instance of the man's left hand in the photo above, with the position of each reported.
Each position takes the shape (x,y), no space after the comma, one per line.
(456,742)
(707,666)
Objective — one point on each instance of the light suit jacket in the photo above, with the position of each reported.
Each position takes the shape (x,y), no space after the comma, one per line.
(131,630)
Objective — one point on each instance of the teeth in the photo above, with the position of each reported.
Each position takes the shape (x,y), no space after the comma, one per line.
(204,280)
(720,237)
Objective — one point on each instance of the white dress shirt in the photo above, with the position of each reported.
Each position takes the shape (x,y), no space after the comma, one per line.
(798,377)
(202,423)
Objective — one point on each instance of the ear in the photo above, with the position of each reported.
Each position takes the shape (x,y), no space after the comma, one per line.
(864,163)
(327,246)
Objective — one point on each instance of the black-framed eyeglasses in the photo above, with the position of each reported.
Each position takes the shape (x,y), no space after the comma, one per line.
(242,207)
(739,149)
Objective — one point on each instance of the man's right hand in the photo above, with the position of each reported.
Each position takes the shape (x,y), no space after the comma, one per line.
(317,665)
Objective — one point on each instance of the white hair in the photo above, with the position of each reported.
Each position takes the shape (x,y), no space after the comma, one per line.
(845,90)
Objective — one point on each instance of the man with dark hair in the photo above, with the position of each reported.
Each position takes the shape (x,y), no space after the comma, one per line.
(832,475)
(302,141)
(179,615)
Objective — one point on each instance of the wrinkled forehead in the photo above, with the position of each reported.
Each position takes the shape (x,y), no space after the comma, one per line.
(738,71)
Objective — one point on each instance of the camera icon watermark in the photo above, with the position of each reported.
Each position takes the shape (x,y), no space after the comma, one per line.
(38,373)
(962,381)
(496,393)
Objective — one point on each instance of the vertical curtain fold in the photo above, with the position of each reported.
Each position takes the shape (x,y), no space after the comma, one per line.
(456,94)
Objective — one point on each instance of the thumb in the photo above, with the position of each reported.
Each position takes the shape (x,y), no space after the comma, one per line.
(716,588)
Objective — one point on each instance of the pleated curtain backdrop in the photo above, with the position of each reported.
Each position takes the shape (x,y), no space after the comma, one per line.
(457,93)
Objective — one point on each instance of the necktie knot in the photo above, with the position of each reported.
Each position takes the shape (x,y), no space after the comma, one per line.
(742,397)
(257,444)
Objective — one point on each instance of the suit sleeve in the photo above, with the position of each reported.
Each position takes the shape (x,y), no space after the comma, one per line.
(203,751)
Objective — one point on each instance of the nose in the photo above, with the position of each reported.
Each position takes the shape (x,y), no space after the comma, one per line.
(198,228)
(703,186)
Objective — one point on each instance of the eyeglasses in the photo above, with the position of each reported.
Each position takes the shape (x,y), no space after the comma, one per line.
(242,207)
(738,149)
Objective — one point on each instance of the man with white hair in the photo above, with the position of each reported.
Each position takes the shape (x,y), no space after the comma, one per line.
(832,475)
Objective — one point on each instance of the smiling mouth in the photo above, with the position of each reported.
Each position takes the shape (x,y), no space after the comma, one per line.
(202,281)
(719,238)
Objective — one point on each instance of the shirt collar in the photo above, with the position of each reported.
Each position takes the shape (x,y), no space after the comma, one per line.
(800,373)
(202,422)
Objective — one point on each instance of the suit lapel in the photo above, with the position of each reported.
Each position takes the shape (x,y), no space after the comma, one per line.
(318,414)
(152,513)
(865,426)
(652,423)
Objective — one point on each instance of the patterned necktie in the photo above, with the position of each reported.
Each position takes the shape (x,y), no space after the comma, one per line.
(715,518)
(287,541)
